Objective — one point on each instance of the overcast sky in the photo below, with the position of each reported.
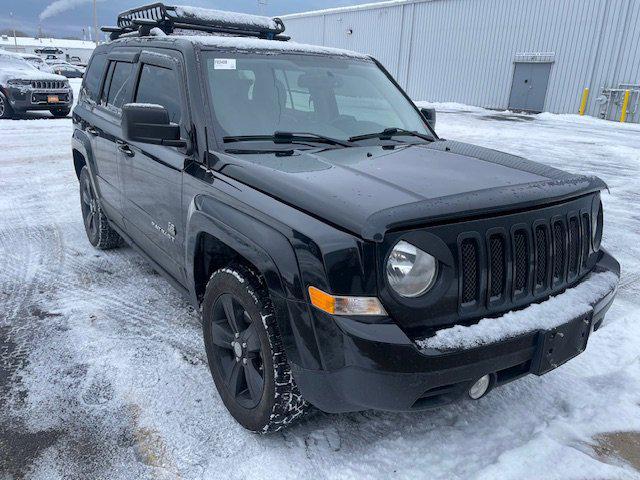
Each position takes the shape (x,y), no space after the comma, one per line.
(71,21)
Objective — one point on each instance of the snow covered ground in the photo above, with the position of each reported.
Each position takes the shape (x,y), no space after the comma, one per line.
(103,372)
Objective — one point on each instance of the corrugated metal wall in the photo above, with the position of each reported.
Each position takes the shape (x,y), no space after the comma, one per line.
(464,50)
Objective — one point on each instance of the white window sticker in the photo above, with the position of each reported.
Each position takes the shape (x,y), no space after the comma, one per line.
(224,64)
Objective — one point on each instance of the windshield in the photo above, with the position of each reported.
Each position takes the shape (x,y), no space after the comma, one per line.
(330,96)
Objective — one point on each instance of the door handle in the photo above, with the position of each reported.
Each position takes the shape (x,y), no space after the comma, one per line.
(125,148)
(93,131)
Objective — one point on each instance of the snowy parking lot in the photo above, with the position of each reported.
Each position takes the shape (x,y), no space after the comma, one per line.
(103,373)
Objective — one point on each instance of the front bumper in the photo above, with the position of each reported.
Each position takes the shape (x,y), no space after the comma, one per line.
(27,98)
(385,370)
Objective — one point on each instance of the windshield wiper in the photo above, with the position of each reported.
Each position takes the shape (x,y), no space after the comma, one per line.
(249,151)
(388,133)
(287,137)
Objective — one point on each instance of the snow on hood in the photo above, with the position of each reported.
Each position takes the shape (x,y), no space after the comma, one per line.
(231,18)
(28,72)
(541,316)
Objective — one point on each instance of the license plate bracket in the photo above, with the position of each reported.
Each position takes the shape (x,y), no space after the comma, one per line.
(561,344)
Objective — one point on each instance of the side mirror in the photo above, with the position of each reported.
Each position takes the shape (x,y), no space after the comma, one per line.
(149,123)
(429,115)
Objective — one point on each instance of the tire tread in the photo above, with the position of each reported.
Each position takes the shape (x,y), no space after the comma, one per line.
(289,405)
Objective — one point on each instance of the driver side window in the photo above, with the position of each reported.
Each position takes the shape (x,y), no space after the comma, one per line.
(160,86)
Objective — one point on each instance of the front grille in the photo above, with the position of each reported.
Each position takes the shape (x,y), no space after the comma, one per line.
(574,245)
(470,271)
(496,266)
(586,238)
(541,256)
(558,251)
(47,84)
(537,258)
(520,261)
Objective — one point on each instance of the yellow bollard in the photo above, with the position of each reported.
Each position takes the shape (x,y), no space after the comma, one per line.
(583,103)
(625,106)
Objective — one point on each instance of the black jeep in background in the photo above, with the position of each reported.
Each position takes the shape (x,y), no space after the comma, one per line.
(297,196)
(23,87)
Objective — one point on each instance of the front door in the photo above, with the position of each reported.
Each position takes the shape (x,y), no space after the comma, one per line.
(529,87)
(152,174)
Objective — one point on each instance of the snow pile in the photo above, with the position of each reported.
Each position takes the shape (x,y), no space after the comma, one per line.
(449,106)
(540,316)
(157,32)
(227,18)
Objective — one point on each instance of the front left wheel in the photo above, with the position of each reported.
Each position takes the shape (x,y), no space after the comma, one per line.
(100,234)
(5,109)
(245,352)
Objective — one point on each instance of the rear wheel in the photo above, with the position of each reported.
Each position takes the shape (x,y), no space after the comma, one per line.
(245,352)
(60,112)
(5,108)
(96,225)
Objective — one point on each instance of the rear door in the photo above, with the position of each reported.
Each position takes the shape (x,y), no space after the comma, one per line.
(90,93)
(152,174)
(107,130)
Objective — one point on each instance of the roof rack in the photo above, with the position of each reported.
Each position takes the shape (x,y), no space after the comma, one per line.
(141,20)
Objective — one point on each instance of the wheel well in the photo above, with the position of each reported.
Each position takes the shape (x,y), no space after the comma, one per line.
(212,254)
(78,162)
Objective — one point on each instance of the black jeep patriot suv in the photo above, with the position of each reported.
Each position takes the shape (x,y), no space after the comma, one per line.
(342,255)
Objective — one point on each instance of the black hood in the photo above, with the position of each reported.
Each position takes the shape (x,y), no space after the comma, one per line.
(370,190)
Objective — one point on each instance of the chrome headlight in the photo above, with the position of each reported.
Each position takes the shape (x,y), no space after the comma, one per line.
(410,271)
(597,223)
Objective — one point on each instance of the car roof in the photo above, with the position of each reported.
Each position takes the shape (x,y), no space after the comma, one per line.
(233,43)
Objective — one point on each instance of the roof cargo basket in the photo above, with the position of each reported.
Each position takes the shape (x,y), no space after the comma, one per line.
(141,20)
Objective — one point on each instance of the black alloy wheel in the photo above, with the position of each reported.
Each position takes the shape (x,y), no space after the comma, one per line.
(245,351)
(89,207)
(238,351)
(100,234)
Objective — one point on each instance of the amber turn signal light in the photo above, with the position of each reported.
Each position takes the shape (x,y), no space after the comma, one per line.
(339,305)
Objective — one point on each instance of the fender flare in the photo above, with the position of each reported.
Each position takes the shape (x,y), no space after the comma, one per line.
(81,143)
(273,256)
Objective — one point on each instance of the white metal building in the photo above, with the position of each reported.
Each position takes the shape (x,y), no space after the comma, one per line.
(67,49)
(536,55)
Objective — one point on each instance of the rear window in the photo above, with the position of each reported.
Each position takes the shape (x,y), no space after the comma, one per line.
(93,76)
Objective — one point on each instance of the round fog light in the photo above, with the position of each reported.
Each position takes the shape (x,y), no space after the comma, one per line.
(479,388)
